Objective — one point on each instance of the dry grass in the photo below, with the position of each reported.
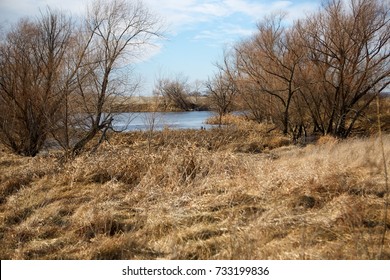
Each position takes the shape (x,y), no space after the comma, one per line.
(197,195)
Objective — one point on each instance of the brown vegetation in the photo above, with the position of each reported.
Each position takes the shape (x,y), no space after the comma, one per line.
(317,75)
(156,104)
(243,191)
(197,195)
(60,77)
(221,94)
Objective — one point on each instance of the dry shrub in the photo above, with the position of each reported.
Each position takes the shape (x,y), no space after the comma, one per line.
(228,119)
(241,122)
(242,136)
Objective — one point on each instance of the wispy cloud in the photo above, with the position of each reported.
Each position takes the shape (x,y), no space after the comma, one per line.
(184,15)
(224,34)
(148,51)
(11,11)
(180,15)
(192,26)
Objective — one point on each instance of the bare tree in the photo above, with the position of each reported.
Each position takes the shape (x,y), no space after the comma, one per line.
(197,89)
(116,31)
(152,118)
(61,79)
(221,91)
(31,80)
(175,92)
(270,61)
(323,71)
(347,45)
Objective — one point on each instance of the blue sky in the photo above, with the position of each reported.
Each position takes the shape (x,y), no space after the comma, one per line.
(197,31)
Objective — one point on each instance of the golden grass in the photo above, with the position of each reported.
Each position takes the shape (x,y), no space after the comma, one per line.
(197,195)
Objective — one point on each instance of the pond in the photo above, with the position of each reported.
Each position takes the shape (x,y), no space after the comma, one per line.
(172,120)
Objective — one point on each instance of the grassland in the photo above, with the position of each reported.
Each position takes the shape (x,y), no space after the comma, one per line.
(233,193)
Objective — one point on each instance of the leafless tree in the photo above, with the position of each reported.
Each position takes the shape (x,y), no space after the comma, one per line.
(270,62)
(61,78)
(175,92)
(221,91)
(347,45)
(322,72)
(197,90)
(117,31)
(152,118)
(32,79)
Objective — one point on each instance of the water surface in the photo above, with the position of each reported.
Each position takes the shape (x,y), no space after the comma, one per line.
(172,120)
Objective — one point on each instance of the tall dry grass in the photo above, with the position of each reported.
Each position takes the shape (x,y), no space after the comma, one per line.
(197,195)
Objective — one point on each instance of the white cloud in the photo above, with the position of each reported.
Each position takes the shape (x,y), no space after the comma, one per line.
(216,9)
(250,8)
(187,14)
(180,15)
(148,52)
(211,22)
(282,4)
(11,10)
(74,6)
(224,34)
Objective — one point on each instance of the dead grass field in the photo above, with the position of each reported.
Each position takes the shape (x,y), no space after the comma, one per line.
(225,194)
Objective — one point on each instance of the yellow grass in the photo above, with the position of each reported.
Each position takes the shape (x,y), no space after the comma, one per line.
(197,195)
